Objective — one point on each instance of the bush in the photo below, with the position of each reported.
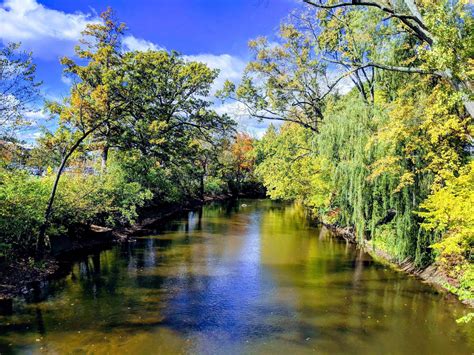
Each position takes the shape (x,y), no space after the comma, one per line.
(108,199)
(214,186)
(22,202)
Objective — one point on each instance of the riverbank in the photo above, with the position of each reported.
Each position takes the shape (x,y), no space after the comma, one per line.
(431,274)
(22,276)
(247,276)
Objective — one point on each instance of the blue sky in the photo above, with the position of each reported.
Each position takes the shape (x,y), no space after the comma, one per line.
(213,31)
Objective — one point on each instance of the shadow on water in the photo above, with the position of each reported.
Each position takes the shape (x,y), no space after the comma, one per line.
(232,278)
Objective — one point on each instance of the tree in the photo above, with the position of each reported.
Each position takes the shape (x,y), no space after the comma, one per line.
(18,87)
(169,113)
(243,161)
(152,102)
(100,45)
(438,33)
(169,102)
(285,82)
(204,157)
(289,167)
(95,100)
(292,79)
(449,214)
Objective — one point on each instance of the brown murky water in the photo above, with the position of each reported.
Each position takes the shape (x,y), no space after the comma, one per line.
(233,279)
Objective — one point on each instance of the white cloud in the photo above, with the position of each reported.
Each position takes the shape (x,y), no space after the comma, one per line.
(8,102)
(50,33)
(30,137)
(232,108)
(66,80)
(344,85)
(230,67)
(245,122)
(35,116)
(131,43)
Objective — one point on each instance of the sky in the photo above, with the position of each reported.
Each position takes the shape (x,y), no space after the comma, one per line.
(212,31)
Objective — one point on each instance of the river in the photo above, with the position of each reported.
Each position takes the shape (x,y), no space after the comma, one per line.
(251,277)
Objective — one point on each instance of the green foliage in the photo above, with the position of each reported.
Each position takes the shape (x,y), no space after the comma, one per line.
(108,199)
(22,201)
(451,24)
(148,172)
(289,167)
(215,186)
(343,140)
(449,214)
(450,209)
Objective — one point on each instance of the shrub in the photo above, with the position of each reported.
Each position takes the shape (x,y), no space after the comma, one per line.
(22,202)
(108,199)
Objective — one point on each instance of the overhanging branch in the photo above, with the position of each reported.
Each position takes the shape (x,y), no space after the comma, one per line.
(411,70)
(413,22)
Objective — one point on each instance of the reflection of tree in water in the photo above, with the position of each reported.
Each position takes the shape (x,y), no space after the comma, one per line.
(260,274)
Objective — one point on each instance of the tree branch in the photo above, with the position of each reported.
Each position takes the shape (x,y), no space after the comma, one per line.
(418,27)
(412,70)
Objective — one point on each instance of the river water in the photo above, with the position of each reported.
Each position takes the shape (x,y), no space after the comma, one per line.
(246,277)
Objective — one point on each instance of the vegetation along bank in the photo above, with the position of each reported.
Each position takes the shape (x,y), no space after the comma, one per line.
(372,111)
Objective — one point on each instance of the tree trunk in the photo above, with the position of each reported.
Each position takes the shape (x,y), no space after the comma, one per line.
(201,187)
(40,242)
(104,156)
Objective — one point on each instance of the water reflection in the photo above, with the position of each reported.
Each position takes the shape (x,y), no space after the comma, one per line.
(233,279)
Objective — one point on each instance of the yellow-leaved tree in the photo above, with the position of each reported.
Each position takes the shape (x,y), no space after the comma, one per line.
(449,212)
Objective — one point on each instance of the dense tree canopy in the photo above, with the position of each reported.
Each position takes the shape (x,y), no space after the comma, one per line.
(387,152)
(371,105)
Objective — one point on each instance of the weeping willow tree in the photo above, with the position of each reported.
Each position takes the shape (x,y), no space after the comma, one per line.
(376,156)
(371,166)
(369,193)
